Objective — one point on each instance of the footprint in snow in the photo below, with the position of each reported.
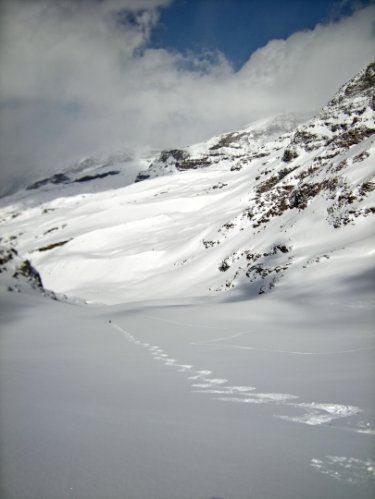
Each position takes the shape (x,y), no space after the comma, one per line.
(317,414)
(348,469)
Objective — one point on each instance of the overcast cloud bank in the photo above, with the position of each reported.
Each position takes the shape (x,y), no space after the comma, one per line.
(78,78)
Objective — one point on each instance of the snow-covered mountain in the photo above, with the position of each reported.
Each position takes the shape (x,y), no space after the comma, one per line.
(90,174)
(248,211)
(225,148)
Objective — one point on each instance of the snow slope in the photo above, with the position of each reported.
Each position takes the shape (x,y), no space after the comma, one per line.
(186,401)
(296,211)
(228,348)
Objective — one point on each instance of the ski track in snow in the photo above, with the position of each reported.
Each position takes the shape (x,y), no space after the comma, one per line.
(202,382)
(256,349)
(179,323)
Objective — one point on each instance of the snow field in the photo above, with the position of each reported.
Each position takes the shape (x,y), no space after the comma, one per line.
(161,401)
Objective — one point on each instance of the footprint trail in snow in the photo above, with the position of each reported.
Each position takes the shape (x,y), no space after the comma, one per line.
(202,382)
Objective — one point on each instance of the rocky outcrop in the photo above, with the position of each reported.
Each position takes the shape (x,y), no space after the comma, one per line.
(18,275)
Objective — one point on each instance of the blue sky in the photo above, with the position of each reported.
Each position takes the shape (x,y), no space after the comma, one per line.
(238,27)
(97,77)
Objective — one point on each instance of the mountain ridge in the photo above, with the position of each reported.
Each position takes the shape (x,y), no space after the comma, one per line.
(241,212)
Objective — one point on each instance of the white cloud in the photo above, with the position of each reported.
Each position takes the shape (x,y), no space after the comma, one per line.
(74,81)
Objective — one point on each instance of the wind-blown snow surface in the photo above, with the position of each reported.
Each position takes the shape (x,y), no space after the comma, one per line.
(228,348)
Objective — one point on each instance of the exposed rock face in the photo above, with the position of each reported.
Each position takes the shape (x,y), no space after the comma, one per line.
(61,178)
(359,86)
(19,275)
(58,178)
(172,161)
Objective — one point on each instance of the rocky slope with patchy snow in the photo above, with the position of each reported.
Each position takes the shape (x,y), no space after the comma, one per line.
(233,150)
(247,211)
(19,275)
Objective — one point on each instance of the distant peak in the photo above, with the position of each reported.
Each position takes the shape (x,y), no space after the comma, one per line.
(361,85)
